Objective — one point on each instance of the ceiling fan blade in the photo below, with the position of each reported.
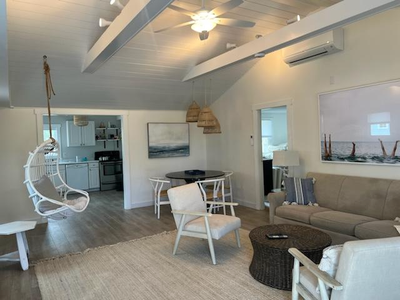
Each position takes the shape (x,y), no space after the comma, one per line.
(176,26)
(182,10)
(236,23)
(227,6)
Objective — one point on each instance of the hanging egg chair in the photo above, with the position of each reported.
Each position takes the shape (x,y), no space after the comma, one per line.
(51,196)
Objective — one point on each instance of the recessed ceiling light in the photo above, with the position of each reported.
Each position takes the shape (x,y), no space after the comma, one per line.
(117,4)
(104,22)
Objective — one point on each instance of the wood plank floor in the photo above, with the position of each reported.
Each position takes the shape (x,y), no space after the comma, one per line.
(105,222)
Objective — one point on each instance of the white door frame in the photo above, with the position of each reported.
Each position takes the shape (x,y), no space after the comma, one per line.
(97,112)
(258,163)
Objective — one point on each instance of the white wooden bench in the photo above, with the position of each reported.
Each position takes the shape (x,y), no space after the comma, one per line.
(18,228)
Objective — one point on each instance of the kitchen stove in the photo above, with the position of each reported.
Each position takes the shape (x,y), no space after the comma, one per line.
(111,173)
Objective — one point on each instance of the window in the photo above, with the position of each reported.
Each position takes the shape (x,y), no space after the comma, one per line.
(266,135)
(56,132)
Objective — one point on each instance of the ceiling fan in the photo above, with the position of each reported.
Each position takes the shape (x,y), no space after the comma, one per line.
(203,21)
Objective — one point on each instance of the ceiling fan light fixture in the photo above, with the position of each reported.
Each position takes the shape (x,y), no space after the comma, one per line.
(117,4)
(204,25)
(104,22)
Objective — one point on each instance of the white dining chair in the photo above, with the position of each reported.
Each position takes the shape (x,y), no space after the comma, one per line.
(213,190)
(228,185)
(192,219)
(160,194)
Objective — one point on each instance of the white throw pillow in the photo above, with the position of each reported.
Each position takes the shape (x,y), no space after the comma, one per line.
(330,261)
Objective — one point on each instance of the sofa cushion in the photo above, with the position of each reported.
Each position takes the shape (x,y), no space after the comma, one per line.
(338,221)
(300,213)
(376,230)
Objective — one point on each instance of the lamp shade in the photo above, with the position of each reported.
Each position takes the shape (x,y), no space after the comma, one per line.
(214,129)
(206,118)
(81,121)
(192,115)
(285,159)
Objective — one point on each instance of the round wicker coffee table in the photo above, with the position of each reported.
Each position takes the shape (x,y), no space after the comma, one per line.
(272,264)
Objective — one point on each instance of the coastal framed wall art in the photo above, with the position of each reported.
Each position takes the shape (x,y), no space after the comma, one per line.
(168,140)
(361,125)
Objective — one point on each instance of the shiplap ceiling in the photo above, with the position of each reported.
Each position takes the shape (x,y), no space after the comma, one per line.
(147,72)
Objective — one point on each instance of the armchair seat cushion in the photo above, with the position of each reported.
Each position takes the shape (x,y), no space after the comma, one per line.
(219,225)
(376,230)
(300,213)
(339,221)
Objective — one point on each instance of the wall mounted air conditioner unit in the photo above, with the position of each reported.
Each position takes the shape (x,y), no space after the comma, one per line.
(316,47)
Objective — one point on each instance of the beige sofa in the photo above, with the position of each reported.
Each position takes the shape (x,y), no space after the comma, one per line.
(350,208)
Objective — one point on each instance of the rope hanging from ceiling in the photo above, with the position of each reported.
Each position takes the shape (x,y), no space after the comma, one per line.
(49,91)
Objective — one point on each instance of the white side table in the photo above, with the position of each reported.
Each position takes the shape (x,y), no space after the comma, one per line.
(18,228)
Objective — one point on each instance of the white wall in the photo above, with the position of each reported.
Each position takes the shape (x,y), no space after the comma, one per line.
(18,134)
(371,55)
(17,138)
(143,167)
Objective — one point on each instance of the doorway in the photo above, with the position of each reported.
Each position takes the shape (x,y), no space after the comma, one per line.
(272,132)
(103,142)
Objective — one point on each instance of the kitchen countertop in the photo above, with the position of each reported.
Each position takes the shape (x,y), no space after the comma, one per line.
(80,162)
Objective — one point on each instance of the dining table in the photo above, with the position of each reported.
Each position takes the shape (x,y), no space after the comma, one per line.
(191,177)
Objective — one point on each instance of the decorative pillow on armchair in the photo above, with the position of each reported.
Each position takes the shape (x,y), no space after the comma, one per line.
(300,191)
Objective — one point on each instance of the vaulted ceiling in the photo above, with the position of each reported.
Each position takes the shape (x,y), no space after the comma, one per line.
(147,72)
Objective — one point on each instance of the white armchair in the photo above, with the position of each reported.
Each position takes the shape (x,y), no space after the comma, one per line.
(367,270)
(192,219)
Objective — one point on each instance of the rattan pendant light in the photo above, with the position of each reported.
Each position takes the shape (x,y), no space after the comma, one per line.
(206,116)
(81,121)
(213,129)
(192,115)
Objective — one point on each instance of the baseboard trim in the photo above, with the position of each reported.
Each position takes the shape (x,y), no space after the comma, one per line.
(142,204)
(245,203)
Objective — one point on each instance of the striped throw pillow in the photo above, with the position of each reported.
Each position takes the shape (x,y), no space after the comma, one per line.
(300,191)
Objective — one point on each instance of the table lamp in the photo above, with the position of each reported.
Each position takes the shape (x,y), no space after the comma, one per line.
(285,159)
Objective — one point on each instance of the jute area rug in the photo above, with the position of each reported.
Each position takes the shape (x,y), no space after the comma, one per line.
(146,269)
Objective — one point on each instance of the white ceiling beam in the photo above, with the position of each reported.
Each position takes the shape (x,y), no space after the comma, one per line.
(133,18)
(4,86)
(338,15)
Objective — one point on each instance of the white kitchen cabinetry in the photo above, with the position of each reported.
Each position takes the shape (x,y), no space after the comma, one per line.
(78,176)
(80,136)
(94,176)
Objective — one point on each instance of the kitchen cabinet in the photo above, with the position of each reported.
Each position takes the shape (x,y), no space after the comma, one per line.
(78,176)
(94,176)
(80,136)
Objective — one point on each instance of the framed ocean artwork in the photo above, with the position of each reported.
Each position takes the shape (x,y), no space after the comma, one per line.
(168,140)
(361,125)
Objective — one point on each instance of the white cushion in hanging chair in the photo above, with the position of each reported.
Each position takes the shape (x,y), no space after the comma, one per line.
(45,187)
(78,203)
